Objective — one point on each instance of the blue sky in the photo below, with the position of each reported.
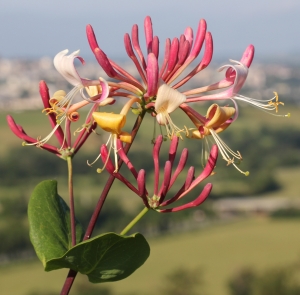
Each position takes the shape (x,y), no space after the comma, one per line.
(34,28)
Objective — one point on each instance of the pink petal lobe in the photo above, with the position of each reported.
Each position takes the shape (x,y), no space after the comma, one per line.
(200,36)
(198,201)
(91,37)
(166,57)
(173,57)
(166,181)
(141,181)
(148,33)
(189,36)
(44,92)
(156,149)
(152,75)
(248,56)
(104,63)
(155,46)
(125,159)
(173,149)
(136,45)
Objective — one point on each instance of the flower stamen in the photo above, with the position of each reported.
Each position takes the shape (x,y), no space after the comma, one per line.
(171,128)
(276,103)
(225,150)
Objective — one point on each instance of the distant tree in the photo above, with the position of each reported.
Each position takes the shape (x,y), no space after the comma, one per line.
(183,281)
(278,281)
(242,283)
(273,281)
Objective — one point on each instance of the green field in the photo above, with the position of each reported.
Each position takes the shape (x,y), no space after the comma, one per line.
(219,251)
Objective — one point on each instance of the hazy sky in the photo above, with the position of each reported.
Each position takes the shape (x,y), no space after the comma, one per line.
(30,28)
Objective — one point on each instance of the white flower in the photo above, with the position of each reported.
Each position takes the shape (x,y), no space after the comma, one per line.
(167,101)
(64,64)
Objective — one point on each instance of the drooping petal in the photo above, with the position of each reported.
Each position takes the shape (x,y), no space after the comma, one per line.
(167,101)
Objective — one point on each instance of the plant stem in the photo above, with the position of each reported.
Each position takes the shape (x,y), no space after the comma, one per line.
(110,182)
(68,282)
(134,221)
(71,200)
(72,274)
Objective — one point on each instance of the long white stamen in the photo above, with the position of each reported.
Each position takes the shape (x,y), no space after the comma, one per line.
(224,148)
(266,105)
(91,164)
(171,128)
(44,140)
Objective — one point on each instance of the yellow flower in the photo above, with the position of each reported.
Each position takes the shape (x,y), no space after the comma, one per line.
(113,123)
(217,120)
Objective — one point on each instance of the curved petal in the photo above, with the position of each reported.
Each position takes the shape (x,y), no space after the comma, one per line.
(64,64)
(168,99)
(218,115)
(241,73)
(197,202)
(110,122)
(94,91)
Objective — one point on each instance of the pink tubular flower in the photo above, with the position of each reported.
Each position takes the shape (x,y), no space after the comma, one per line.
(157,201)
(65,147)
(158,87)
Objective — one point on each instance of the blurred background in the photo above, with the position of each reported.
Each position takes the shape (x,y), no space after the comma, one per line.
(243,240)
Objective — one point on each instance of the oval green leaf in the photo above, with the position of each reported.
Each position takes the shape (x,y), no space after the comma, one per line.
(49,222)
(105,258)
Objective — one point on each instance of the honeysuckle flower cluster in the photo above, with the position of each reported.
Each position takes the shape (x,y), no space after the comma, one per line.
(158,89)
(157,200)
(158,92)
(65,146)
(59,108)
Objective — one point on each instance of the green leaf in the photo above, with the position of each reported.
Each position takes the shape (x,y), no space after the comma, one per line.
(49,222)
(105,258)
